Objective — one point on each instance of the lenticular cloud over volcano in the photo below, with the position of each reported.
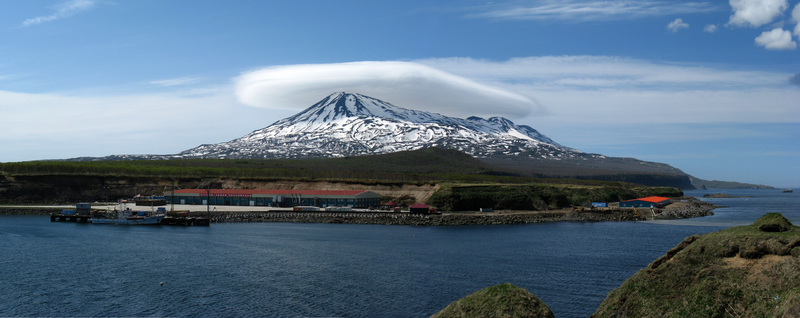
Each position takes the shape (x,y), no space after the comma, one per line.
(404,84)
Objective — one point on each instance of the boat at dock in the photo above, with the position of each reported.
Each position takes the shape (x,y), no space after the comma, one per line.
(127,217)
(83,213)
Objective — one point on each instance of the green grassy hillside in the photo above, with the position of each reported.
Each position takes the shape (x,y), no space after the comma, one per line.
(746,271)
(537,196)
(504,300)
(424,165)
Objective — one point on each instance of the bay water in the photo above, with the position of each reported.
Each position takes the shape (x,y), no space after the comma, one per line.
(339,270)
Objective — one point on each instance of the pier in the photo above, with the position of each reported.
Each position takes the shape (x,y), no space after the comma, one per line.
(185,221)
(74,218)
(169,220)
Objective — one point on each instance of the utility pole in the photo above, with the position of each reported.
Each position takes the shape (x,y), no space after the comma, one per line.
(172,197)
(208,203)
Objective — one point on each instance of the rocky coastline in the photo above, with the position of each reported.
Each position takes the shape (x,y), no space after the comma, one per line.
(724,196)
(686,207)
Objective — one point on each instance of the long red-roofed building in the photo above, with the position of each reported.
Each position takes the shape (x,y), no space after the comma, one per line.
(320,198)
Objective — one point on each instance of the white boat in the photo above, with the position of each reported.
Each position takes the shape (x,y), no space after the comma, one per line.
(788,190)
(127,217)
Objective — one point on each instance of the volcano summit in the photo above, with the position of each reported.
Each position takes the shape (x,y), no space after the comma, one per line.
(347,124)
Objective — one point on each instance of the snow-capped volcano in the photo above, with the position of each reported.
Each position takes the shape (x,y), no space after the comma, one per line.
(348,124)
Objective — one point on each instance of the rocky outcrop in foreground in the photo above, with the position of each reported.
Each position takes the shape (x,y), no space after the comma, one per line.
(504,300)
(746,271)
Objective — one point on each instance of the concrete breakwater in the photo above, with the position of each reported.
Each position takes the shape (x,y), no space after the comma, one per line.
(417,219)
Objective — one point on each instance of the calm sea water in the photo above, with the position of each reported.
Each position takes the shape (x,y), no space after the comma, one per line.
(315,270)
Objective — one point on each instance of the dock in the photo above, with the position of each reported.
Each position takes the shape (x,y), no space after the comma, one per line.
(58,217)
(185,221)
(83,213)
(169,220)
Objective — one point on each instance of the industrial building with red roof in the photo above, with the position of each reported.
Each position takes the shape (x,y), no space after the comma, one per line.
(286,198)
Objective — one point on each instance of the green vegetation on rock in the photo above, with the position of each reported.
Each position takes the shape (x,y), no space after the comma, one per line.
(504,300)
(537,196)
(746,271)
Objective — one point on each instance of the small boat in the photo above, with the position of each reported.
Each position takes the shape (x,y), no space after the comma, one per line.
(788,190)
(127,217)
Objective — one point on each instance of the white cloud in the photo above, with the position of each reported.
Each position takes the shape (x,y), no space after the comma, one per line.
(64,10)
(676,25)
(58,126)
(710,28)
(796,19)
(777,39)
(756,13)
(590,89)
(595,72)
(572,10)
(405,84)
(181,81)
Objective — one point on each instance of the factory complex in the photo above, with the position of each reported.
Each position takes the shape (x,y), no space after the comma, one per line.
(275,198)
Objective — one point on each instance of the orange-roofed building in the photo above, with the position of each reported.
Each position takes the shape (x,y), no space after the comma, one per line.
(646,202)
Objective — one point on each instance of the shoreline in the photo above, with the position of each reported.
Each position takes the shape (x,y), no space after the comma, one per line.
(692,208)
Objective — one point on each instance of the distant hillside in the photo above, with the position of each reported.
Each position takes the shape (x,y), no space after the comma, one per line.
(714,184)
(598,168)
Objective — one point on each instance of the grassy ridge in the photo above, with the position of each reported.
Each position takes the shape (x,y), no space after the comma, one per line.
(424,165)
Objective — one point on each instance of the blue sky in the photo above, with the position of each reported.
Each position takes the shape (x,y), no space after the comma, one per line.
(710,87)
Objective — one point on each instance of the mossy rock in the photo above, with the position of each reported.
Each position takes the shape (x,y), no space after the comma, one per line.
(504,300)
(741,271)
(773,222)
